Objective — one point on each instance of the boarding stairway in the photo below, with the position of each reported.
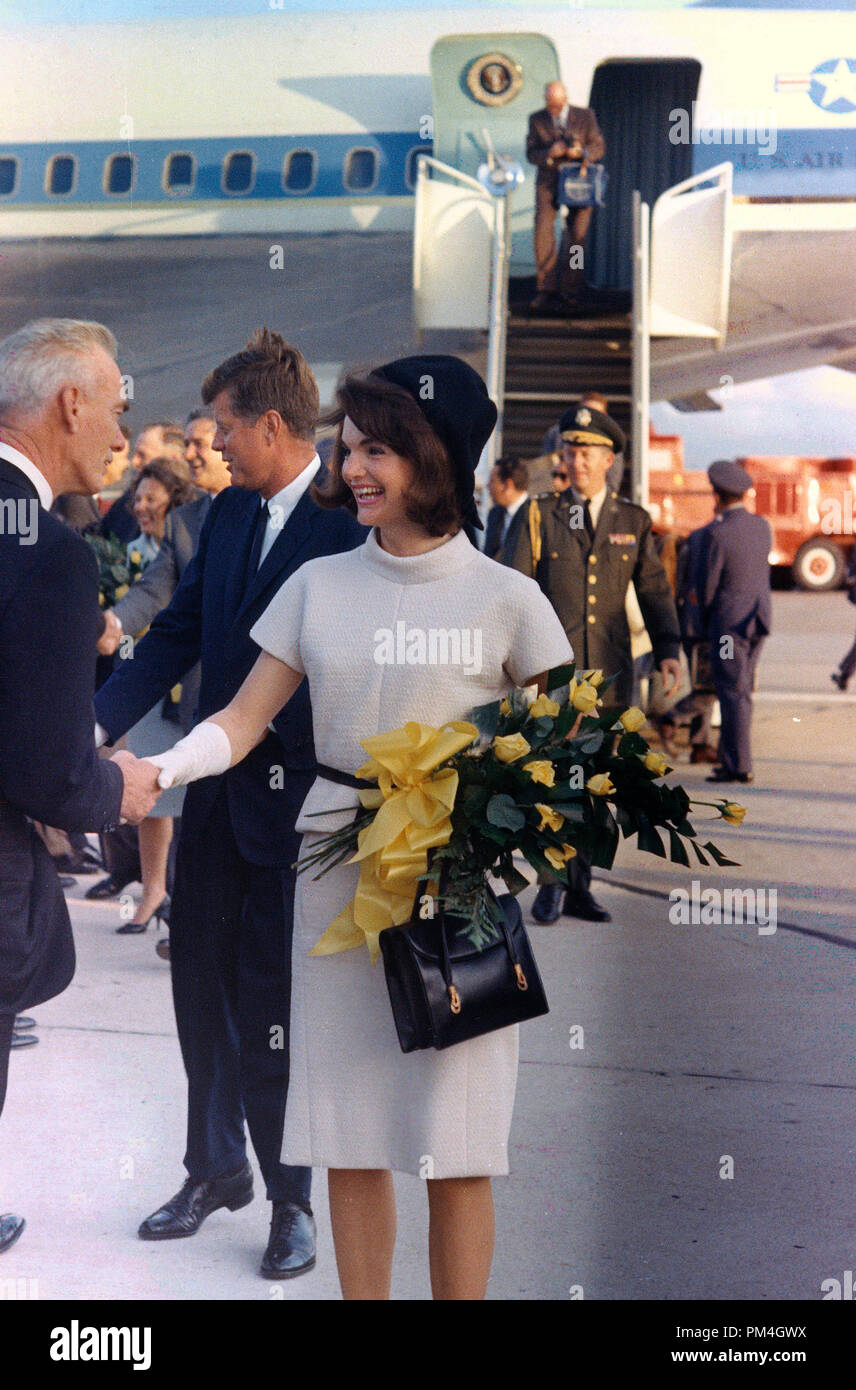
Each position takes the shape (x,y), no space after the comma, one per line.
(551,362)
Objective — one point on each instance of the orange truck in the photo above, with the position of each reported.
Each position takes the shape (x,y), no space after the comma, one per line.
(809,502)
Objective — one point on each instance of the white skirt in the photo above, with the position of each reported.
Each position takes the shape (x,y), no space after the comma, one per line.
(355,1100)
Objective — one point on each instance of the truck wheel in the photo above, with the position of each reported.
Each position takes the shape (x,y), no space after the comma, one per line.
(818,565)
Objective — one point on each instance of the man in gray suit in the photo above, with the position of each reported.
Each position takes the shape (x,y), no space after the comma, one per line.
(732,583)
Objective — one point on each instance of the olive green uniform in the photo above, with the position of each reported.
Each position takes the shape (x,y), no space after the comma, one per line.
(586,580)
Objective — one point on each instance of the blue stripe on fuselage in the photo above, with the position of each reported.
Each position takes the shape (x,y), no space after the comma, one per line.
(805,163)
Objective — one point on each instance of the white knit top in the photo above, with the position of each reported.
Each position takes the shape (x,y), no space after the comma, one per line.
(384,639)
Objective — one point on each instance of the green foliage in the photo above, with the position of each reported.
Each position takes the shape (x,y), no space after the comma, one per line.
(495,813)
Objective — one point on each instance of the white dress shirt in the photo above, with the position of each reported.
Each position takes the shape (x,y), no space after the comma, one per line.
(282,504)
(29,469)
(511,510)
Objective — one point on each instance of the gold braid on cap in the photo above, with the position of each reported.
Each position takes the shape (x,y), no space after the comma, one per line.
(535,533)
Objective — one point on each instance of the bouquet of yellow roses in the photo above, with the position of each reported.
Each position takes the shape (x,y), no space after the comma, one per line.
(546,778)
(116,570)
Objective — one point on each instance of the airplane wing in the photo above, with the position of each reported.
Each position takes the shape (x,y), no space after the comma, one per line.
(792,303)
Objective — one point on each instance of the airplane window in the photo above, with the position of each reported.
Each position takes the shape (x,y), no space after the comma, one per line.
(239,172)
(410,164)
(298,174)
(179,173)
(119,174)
(60,175)
(360,173)
(8,175)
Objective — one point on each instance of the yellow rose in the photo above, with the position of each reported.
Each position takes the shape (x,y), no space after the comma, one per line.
(504,706)
(543,705)
(135,557)
(632,719)
(549,817)
(733,814)
(510,747)
(558,858)
(593,677)
(656,763)
(122,590)
(541,771)
(584,697)
(600,784)
(101,600)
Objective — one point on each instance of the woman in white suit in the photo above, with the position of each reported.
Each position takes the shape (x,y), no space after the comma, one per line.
(410,436)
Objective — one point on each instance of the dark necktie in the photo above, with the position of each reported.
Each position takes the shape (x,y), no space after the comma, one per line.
(258,537)
(587,521)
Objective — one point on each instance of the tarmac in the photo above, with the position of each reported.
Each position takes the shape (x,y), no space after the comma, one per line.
(684,1124)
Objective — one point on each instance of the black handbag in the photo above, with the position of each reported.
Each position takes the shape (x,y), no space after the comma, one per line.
(444,991)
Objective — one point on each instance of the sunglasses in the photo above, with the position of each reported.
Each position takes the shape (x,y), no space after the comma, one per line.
(560,476)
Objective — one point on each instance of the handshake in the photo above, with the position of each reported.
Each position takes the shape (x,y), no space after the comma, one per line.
(141,789)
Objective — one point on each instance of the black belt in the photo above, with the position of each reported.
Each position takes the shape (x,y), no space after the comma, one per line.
(345,779)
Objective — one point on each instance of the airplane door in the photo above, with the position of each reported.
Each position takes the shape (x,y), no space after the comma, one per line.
(492,82)
(633,99)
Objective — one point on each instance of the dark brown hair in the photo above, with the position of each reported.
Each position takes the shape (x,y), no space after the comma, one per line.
(161,469)
(511,469)
(268,375)
(389,414)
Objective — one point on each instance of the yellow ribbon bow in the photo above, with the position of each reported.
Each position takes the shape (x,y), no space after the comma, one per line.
(414,804)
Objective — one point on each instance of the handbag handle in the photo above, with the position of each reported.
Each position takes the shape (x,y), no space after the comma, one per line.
(445,959)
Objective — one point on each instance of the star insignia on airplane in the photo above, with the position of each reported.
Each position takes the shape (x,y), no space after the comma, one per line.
(582,417)
(833,85)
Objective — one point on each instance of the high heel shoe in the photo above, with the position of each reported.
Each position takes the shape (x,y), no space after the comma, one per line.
(160,914)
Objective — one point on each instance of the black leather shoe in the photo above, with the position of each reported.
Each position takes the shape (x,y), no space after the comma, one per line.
(23,1022)
(66,881)
(109,887)
(23,1039)
(584,906)
(839,680)
(548,902)
(291,1244)
(160,914)
(10,1228)
(184,1213)
(78,864)
(721,774)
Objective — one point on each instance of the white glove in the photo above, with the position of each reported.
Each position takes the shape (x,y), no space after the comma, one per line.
(205,752)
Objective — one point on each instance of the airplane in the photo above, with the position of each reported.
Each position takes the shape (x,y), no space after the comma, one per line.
(283,122)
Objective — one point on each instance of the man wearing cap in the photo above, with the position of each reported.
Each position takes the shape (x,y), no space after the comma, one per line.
(732,585)
(584,546)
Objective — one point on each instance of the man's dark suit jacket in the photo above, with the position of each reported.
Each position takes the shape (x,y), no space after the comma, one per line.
(503,550)
(210,617)
(49,769)
(159,581)
(580,125)
(734,576)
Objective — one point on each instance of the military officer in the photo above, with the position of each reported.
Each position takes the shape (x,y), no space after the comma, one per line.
(732,583)
(584,546)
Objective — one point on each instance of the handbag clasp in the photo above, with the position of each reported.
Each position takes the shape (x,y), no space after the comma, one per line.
(454,1000)
(521,978)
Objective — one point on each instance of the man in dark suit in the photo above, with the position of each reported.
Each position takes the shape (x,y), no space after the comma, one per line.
(509,480)
(60,403)
(145,599)
(732,580)
(559,134)
(584,546)
(231,919)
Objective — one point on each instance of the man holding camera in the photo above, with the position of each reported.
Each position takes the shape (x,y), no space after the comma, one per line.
(559,134)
